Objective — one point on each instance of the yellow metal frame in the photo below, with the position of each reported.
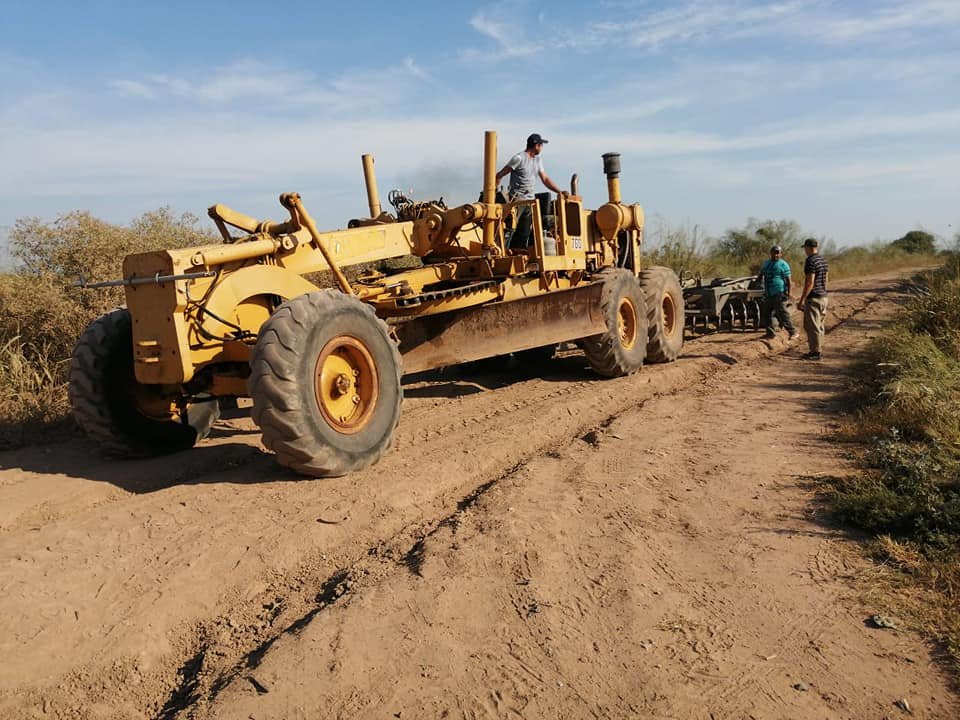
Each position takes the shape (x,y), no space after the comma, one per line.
(184,324)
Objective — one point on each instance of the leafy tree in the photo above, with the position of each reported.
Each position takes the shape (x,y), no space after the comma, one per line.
(916,242)
(750,246)
(77,243)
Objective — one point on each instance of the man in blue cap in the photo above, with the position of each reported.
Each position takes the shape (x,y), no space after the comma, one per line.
(524,168)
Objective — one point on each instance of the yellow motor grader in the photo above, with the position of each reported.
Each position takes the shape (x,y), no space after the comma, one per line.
(323,367)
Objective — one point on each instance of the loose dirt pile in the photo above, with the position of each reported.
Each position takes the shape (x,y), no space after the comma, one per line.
(555,546)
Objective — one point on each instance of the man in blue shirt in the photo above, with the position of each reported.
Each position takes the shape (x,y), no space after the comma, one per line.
(775,274)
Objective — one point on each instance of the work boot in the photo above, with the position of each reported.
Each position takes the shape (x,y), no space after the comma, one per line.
(770,335)
(794,335)
(812,356)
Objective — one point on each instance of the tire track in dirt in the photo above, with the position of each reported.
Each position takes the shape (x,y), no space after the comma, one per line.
(417,547)
(225,588)
(586,611)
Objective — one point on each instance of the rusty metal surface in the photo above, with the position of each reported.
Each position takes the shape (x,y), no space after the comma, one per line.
(500,328)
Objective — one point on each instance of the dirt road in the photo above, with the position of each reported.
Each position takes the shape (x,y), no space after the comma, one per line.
(536,547)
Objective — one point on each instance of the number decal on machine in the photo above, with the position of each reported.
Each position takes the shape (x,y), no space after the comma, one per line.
(576,243)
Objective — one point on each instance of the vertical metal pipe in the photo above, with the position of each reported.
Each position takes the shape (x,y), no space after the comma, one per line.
(370,180)
(489,185)
(611,168)
(613,189)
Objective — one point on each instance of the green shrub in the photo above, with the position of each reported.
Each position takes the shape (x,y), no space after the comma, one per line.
(912,492)
(42,314)
(936,312)
(916,242)
(679,248)
(908,493)
(911,383)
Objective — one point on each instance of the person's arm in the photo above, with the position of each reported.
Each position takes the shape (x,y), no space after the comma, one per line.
(807,287)
(787,285)
(549,183)
(503,173)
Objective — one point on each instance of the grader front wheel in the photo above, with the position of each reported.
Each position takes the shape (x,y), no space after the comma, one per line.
(665,314)
(325,384)
(621,348)
(125,417)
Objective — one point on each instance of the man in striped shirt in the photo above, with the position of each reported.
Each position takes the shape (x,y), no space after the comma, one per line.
(813,299)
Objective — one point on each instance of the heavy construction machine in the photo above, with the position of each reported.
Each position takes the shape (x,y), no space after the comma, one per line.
(249,317)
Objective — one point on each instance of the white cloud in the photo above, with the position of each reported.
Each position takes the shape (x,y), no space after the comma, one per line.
(133,88)
(914,15)
(702,20)
(248,80)
(506,30)
(920,168)
(617,113)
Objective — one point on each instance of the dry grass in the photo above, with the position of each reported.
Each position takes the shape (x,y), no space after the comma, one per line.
(923,594)
(907,387)
(42,314)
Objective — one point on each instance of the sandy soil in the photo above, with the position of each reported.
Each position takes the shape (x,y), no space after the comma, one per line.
(537,547)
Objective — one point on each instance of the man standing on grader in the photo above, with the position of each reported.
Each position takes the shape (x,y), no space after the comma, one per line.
(524,168)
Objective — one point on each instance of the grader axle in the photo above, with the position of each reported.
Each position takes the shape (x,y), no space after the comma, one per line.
(323,366)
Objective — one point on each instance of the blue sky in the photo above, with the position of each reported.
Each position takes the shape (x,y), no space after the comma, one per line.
(843,116)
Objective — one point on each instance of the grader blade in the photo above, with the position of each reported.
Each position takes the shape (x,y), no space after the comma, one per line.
(500,328)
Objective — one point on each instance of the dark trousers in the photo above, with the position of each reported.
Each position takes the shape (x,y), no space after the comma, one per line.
(523,232)
(776,306)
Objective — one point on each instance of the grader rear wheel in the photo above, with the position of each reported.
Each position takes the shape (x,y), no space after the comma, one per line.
(125,417)
(325,384)
(665,314)
(619,350)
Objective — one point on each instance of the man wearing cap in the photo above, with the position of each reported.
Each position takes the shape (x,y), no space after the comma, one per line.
(524,168)
(813,300)
(775,274)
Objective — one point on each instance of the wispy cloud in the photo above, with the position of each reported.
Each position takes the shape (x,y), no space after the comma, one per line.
(921,168)
(248,80)
(696,20)
(913,15)
(701,20)
(500,24)
(134,88)
(617,115)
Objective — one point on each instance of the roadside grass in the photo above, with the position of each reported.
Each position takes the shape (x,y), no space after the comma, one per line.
(906,387)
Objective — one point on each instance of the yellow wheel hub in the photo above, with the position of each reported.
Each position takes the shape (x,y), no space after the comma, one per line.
(669,314)
(627,323)
(347,386)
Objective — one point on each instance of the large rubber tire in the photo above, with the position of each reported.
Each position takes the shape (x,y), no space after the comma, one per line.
(325,384)
(621,348)
(107,400)
(665,314)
